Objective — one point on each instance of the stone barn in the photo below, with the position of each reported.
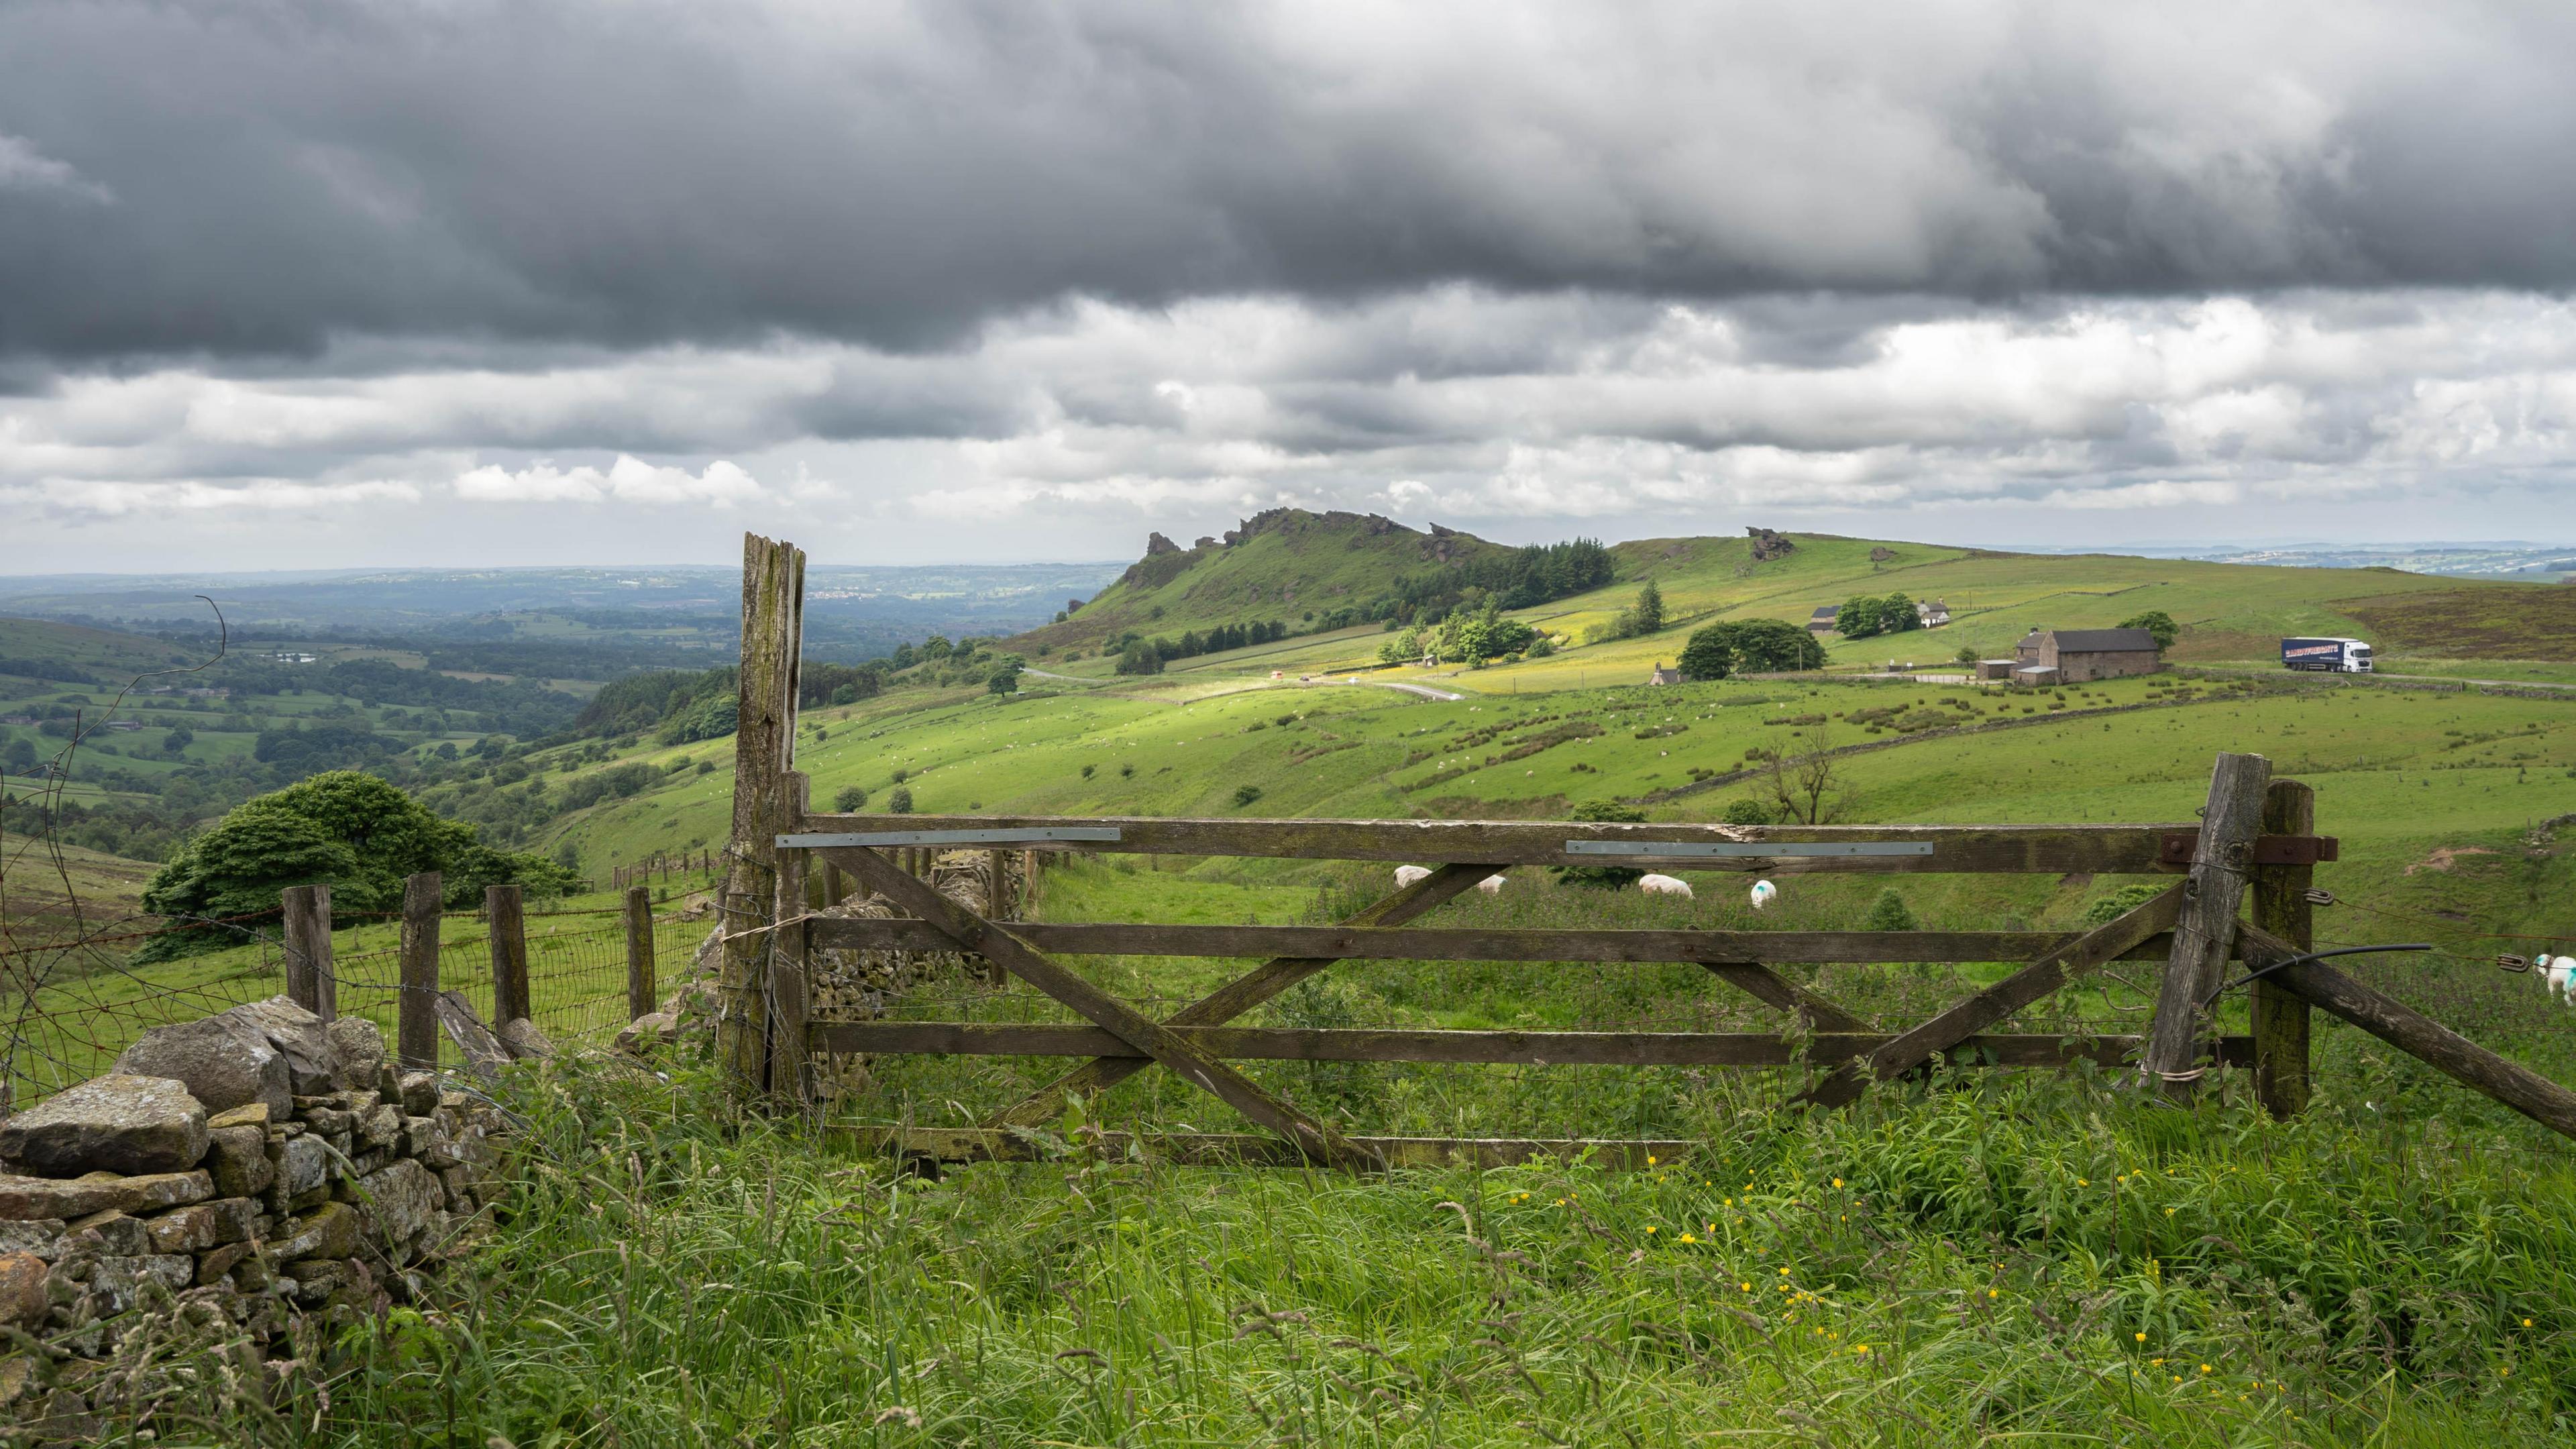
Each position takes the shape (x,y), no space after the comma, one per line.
(2080,656)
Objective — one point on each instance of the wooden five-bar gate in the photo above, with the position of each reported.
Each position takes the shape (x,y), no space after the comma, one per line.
(2254,845)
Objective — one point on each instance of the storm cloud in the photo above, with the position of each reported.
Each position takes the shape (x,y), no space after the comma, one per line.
(256,177)
(1027,279)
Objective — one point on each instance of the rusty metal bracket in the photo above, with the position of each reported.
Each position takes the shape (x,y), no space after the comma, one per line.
(2177,849)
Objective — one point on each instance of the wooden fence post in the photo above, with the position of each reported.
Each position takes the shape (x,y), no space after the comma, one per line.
(639,953)
(2281,907)
(997,887)
(504,910)
(836,887)
(764,805)
(309,979)
(2221,863)
(416,1011)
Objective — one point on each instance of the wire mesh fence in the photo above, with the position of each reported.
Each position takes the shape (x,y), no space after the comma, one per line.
(72,1005)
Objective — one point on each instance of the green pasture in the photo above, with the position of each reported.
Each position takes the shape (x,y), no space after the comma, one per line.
(2228,612)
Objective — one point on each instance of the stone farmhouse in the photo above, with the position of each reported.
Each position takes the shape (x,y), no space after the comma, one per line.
(2080,656)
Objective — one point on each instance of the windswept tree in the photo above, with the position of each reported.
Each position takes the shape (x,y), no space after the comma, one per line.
(353,832)
(1802,780)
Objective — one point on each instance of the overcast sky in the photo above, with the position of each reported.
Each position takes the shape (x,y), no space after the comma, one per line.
(306,284)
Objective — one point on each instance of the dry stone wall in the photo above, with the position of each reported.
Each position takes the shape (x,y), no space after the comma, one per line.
(231,1181)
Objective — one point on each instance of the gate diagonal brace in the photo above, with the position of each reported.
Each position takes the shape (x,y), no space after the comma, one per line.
(975,934)
(1243,994)
(2041,978)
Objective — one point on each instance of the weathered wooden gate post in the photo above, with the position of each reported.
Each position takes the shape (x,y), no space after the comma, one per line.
(309,981)
(416,1010)
(2281,907)
(639,952)
(503,909)
(2221,865)
(765,805)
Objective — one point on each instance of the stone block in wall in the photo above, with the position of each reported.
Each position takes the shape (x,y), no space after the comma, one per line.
(223,1061)
(359,1044)
(217,1263)
(324,1116)
(237,1160)
(400,1200)
(116,1123)
(325,1281)
(40,1236)
(329,1231)
(419,1092)
(302,1163)
(520,1037)
(202,1225)
(301,1037)
(110,1234)
(24,1303)
(379,1127)
(34,1198)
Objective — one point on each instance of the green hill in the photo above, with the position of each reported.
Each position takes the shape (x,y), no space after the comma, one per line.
(1300,567)
(80,654)
(1286,564)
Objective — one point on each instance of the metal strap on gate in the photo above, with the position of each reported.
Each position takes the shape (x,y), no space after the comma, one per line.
(1706,849)
(1024,835)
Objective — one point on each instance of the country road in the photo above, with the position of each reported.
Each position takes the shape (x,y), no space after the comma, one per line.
(2419,678)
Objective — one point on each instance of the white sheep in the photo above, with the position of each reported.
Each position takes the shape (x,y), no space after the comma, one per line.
(1491,885)
(1763,891)
(1664,885)
(1406,875)
(2558,971)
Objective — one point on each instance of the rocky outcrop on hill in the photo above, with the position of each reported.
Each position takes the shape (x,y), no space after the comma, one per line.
(1768,545)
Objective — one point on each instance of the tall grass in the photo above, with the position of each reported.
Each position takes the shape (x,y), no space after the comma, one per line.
(1981,1255)
(2034,1258)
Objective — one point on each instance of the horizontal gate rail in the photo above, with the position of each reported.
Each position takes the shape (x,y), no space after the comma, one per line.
(1244,1149)
(1521,1048)
(2057,849)
(1358,943)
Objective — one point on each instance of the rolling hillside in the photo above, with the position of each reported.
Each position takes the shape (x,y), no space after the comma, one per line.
(1284,564)
(2229,613)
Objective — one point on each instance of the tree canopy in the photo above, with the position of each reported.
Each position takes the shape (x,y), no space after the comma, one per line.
(353,832)
(2158,623)
(1750,646)
(1863,616)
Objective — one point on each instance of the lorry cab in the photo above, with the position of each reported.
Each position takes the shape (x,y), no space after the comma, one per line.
(2334,656)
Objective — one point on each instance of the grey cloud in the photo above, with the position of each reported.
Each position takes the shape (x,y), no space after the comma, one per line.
(289,173)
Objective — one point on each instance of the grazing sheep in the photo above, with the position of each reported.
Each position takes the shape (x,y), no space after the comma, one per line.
(1406,875)
(2558,971)
(1491,885)
(1664,885)
(1763,891)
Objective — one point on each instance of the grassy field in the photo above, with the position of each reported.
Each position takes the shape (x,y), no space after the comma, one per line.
(1981,1256)
(2228,612)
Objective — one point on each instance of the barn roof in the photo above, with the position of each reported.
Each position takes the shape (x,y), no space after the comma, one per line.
(1826,611)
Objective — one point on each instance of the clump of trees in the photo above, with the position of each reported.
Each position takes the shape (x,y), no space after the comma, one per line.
(1863,617)
(353,832)
(1645,616)
(1750,646)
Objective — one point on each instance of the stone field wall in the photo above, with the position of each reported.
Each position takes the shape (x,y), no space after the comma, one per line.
(237,1181)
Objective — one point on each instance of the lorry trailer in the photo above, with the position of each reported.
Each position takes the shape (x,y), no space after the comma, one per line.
(2333,656)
